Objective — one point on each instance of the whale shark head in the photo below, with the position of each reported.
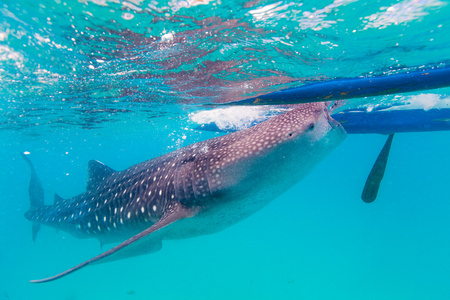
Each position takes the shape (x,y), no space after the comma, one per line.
(266,159)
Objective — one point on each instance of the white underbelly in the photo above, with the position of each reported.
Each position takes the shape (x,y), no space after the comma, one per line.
(218,217)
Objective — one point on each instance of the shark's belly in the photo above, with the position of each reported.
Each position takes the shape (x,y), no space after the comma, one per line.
(219,217)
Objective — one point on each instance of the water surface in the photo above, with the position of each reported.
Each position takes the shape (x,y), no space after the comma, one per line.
(117,80)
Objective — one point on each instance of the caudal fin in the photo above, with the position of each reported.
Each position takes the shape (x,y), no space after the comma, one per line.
(36,194)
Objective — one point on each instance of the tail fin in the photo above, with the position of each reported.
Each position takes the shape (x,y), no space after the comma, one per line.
(36,193)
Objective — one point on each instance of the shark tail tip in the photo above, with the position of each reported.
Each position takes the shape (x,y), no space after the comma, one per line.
(36,195)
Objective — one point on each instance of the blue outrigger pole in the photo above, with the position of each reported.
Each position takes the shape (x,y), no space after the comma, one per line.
(349,88)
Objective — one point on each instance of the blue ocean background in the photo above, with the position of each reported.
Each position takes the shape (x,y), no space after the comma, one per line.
(116,81)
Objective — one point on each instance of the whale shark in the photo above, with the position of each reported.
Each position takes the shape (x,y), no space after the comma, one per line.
(200,189)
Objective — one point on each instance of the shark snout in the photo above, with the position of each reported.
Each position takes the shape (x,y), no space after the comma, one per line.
(337,128)
(333,122)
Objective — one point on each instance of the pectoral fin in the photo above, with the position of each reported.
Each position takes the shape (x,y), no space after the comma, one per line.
(177,212)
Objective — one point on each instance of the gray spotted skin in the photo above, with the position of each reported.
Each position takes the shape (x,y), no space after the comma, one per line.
(246,170)
(123,203)
(202,188)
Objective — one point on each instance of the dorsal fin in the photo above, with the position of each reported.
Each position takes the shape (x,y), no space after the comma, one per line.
(97,172)
(58,199)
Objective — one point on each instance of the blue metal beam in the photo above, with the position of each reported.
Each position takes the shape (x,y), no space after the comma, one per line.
(355,88)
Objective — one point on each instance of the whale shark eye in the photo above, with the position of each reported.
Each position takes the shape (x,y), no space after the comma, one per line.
(311,126)
(291,133)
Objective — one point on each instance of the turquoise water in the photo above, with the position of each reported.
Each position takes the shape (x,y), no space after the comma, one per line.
(117,80)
